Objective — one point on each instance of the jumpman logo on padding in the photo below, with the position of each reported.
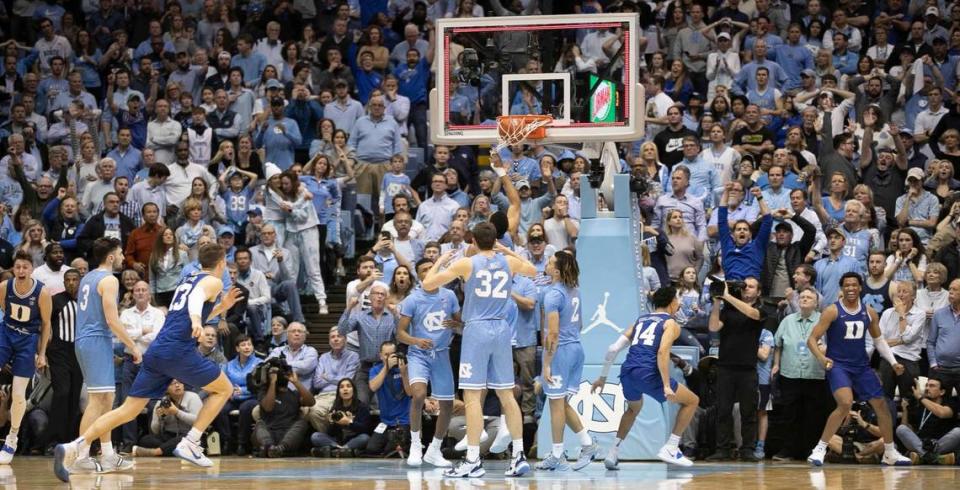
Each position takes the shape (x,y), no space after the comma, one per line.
(600,317)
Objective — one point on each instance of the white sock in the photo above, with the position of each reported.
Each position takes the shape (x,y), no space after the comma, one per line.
(436,443)
(557,450)
(83,448)
(821,446)
(415,438)
(614,450)
(194,436)
(617,441)
(503,426)
(11,441)
(584,436)
(889,448)
(106,449)
(518,446)
(473,453)
(673,442)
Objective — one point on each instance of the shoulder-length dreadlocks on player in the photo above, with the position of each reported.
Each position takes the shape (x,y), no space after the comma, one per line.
(568,269)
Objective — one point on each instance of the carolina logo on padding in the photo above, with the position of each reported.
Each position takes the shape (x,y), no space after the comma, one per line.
(600,317)
(599,412)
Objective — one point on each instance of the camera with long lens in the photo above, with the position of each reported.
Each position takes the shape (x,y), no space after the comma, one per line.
(735,288)
(336,416)
(469,72)
(166,402)
(259,378)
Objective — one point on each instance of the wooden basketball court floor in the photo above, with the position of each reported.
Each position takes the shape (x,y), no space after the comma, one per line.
(306,473)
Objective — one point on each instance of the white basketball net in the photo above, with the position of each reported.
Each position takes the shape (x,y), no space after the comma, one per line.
(511,133)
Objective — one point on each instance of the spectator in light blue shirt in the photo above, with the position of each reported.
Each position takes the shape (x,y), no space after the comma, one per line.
(831,268)
(943,341)
(249,60)
(127,157)
(344,111)
(376,138)
(279,135)
(918,208)
(705,181)
(307,114)
(793,57)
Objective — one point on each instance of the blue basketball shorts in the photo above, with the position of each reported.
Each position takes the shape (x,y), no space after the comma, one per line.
(20,350)
(638,381)
(486,358)
(566,369)
(159,369)
(432,367)
(95,356)
(861,379)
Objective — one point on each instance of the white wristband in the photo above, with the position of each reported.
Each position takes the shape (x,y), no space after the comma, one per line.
(499,171)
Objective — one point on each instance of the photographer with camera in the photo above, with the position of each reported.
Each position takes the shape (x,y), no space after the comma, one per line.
(173,416)
(282,428)
(391,383)
(930,429)
(349,425)
(743,256)
(738,319)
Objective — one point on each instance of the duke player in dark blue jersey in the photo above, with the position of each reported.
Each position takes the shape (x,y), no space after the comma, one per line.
(426,321)
(24,336)
(173,355)
(848,366)
(646,371)
(488,360)
(563,360)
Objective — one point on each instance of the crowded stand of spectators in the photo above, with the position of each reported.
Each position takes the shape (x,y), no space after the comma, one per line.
(787,143)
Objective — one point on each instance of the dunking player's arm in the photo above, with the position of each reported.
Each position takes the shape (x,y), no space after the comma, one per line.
(209,288)
(108,287)
(827,318)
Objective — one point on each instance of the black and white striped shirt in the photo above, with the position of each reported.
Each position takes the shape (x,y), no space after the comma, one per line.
(64,318)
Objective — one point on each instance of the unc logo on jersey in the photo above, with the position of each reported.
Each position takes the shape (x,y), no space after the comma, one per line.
(466,370)
(434,321)
(599,412)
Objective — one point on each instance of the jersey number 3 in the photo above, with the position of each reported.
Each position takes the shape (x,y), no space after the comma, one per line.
(854,330)
(487,287)
(84,297)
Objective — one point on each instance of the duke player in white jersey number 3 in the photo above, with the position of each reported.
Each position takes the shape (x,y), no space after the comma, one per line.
(173,355)
(486,360)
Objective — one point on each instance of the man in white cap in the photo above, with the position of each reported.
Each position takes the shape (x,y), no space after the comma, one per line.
(932,28)
(918,208)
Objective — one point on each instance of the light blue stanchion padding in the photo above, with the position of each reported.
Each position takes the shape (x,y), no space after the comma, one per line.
(609,306)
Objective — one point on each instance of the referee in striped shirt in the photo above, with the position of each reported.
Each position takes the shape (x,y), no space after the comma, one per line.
(65,376)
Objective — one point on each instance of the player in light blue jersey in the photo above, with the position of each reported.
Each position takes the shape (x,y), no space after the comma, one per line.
(98,320)
(646,371)
(563,360)
(173,355)
(845,324)
(426,319)
(488,361)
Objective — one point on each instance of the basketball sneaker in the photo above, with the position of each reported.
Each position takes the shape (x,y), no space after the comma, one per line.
(587,455)
(673,456)
(64,455)
(611,462)
(435,457)
(115,462)
(86,465)
(502,441)
(554,463)
(462,443)
(518,465)
(416,455)
(816,457)
(466,469)
(190,451)
(894,458)
(8,450)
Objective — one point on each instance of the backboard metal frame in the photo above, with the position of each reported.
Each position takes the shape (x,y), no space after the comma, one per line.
(559,132)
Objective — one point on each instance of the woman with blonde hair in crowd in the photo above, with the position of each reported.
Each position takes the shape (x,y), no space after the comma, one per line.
(941,182)
(189,233)
(33,241)
(686,249)
(877,215)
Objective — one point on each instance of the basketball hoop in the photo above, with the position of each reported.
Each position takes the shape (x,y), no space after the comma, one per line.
(518,128)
